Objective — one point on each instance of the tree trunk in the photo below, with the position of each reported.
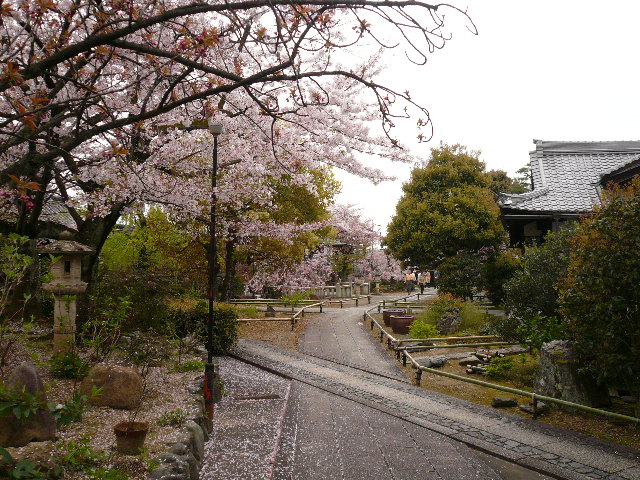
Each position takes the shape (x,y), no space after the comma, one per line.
(229,269)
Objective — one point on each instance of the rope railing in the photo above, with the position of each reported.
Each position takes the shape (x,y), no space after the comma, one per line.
(393,343)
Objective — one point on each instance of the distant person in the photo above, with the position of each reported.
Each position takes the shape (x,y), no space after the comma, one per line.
(422,280)
(427,277)
(409,281)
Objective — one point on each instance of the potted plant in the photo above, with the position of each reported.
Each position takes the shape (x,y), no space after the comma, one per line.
(143,352)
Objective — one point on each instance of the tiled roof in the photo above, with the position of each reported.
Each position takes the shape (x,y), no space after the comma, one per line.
(566,175)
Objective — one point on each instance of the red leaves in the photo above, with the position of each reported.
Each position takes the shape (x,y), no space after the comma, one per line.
(12,73)
(23,186)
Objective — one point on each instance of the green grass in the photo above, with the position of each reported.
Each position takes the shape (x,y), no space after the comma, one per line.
(473,318)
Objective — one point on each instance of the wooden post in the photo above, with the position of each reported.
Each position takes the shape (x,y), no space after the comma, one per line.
(404,358)
(381,336)
(372,324)
(418,377)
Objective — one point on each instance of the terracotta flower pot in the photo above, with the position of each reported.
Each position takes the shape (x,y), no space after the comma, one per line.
(386,315)
(130,437)
(400,323)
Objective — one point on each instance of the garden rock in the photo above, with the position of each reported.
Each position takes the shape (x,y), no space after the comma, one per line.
(432,362)
(38,427)
(36,452)
(470,361)
(558,377)
(197,439)
(271,312)
(504,402)
(172,467)
(450,321)
(121,386)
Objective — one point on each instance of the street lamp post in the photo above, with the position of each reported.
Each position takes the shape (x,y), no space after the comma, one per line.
(211,369)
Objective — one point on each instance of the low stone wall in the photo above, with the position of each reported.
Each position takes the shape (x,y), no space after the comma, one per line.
(186,456)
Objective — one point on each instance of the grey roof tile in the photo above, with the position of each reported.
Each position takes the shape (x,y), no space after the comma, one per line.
(566,175)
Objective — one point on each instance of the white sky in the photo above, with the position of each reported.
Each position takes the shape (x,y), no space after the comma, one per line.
(544,69)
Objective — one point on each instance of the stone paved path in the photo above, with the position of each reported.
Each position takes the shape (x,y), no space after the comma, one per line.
(343,422)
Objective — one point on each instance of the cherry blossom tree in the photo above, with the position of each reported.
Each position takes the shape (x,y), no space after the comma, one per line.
(104,102)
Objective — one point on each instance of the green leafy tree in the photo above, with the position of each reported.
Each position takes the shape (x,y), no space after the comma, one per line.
(601,294)
(531,295)
(502,183)
(447,207)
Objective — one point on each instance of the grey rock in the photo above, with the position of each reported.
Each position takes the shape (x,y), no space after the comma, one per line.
(38,427)
(271,312)
(628,399)
(470,361)
(558,376)
(173,464)
(433,362)
(504,402)
(197,439)
(450,321)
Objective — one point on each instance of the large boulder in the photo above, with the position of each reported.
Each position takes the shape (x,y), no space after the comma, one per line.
(558,377)
(450,321)
(37,427)
(121,386)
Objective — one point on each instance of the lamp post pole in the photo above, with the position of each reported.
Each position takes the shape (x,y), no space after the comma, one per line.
(211,373)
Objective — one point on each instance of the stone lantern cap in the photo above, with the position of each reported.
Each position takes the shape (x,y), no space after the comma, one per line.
(47,245)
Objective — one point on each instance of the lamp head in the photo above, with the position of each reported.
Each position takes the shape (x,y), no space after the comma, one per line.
(215,126)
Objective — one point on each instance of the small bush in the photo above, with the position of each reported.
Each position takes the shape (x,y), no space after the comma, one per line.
(78,456)
(461,275)
(73,408)
(191,318)
(499,366)
(190,366)
(421,329)
(173,417)
(68,365)
(497,271)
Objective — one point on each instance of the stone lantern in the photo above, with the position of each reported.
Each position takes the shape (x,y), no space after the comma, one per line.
(65,285)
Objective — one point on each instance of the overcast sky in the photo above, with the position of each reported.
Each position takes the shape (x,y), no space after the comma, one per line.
(544,69)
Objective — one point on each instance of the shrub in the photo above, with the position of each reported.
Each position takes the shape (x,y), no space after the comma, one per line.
(531,296)
(173,417)
(601,295)
(461,275)
(421,329)
(191,318)
(499,366)
(73,408)
(190,366)
(68,365)
(424,326)
(497,271)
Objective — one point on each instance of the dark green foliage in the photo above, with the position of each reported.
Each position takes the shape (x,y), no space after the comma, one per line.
(146,292)
(601,294)
(497,271)
(190,366)
(192,319)
(446,207)
(499,366)
(73,408)
(24,469)
(19,403)
(68,365)
(531,295)
(502,183)
(461,275)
